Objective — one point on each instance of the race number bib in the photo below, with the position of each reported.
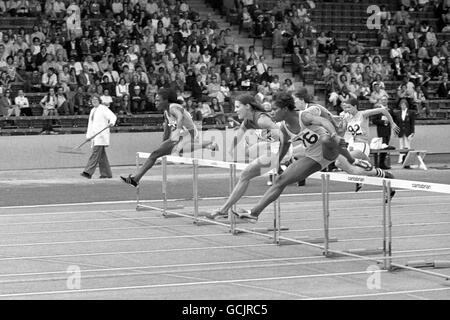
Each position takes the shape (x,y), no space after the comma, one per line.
(308,138)
(355,129)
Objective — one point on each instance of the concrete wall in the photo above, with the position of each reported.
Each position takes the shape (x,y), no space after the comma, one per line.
(39,152)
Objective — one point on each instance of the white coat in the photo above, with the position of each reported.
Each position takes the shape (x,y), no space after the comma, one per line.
(99,118)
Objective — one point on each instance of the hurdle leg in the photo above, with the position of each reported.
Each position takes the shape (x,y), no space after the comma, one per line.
(231,217)
(137,188)
(325,206)
(389,226)
(384,225)
(422,164)
(195,189)
(164,185)
(275,218)
(279,219)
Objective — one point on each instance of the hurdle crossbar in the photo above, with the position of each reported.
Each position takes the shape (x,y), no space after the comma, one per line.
(386,184)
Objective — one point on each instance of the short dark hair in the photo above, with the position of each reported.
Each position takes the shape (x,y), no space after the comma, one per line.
(168,94)
(285,100)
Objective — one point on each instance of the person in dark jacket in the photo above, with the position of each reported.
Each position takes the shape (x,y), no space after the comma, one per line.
(444,88)
(405,119)
(383,131)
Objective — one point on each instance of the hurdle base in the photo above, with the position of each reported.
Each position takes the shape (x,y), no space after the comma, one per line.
(144,208)
(359,252)
(306,239)
(258,230)
(272,229)
(437,264)
(203,223)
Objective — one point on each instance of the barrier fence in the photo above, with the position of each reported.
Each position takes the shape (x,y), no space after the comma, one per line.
(325,177)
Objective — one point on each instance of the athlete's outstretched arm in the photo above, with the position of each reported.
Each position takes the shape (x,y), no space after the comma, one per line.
(310,119)
(335,144)
(179,116)
(167,131)
(385,112)
(284,145)
(266,123)
(239,135)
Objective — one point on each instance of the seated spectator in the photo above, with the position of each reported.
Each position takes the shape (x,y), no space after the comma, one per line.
(7,105)
(106,98)
(79,103)
(354,88)
(354,46)
(395,52)
(246,20)
(194,109)
(402,16)
(23,104)
(326,44)
(444,87)
(365,90)
(384,14)
(327,71)
(205,110)
(86,78)
(48,103)
(288,86)
(398,69)
(368,75)
(386,71)
(122,88)
(299,63)
(217,111)
(377,94)
(225,90)
(138,100)
(124,105)
(49,80)
(150,93)
(430,37)
(275,85)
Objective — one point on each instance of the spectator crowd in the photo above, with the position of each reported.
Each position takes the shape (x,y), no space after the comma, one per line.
(125,50)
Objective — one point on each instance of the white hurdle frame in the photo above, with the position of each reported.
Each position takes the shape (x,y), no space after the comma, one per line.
(386,185)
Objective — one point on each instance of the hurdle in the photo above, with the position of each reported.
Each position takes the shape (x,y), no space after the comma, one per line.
(232,224)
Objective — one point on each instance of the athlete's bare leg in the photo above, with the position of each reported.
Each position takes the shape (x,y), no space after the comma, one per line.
(299,170)
(255,169)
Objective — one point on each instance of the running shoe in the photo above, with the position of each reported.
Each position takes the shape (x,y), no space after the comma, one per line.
(358,187)
(364,164)
(215,214)
(245,215)
(129,180)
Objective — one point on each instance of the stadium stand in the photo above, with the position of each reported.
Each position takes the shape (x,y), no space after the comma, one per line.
(211,51)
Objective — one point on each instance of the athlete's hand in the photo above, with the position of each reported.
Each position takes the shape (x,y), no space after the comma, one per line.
(342,143)
(396,129)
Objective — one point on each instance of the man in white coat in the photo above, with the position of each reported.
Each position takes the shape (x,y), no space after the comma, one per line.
(100,117)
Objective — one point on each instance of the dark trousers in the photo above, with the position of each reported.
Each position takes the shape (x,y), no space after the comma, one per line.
(381,162)
(99,157)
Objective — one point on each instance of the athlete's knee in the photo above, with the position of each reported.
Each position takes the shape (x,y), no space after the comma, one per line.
(246,176)
(340,163)
(281,182)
